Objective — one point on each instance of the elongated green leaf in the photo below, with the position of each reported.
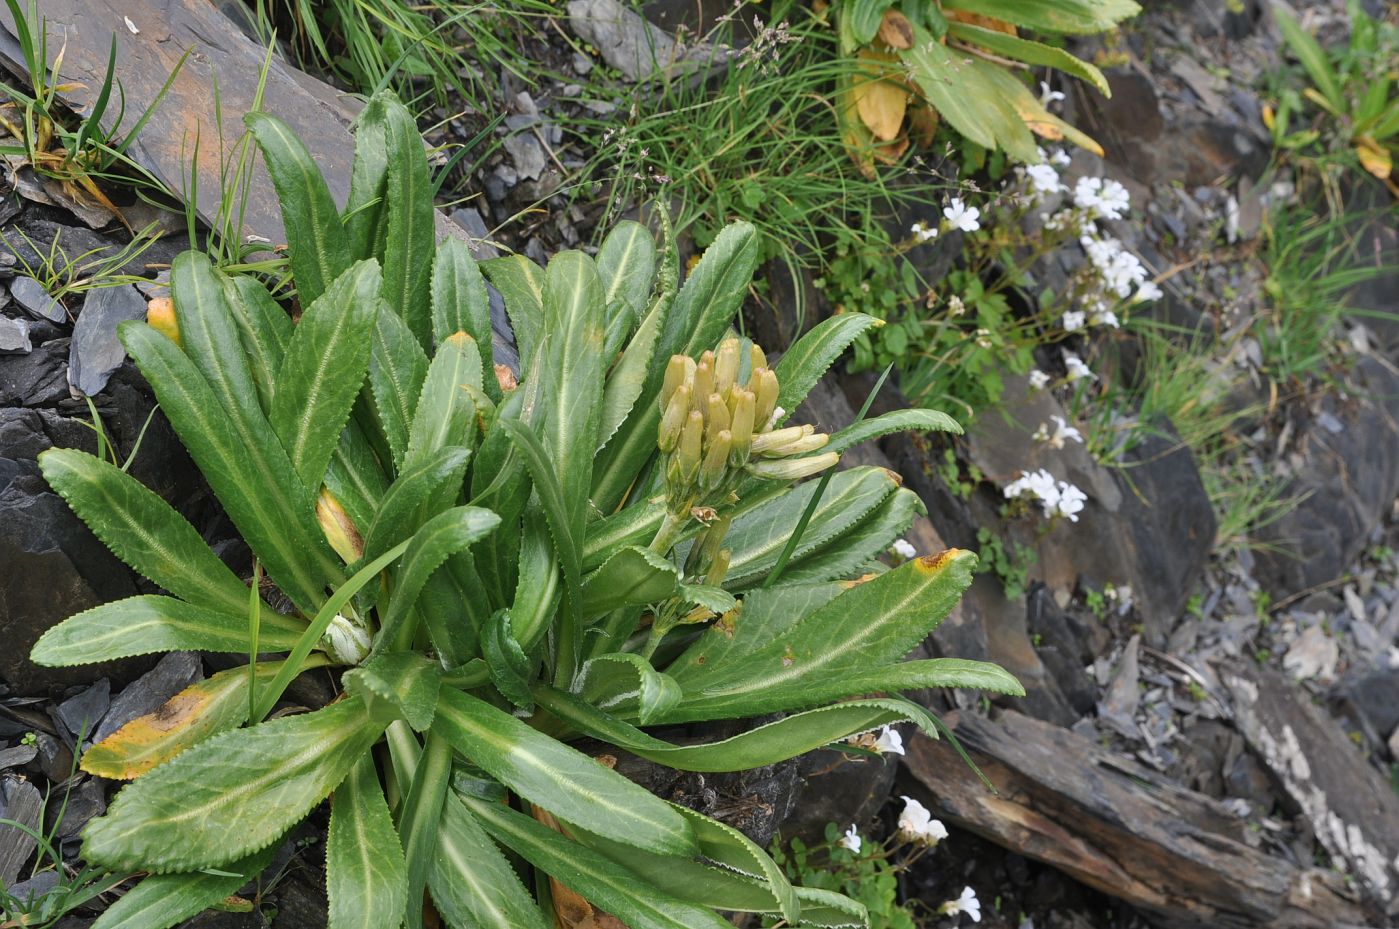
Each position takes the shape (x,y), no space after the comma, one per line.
(460,304)
(447,533)
(830,910)
(762,745)
(149,623)
(355,475)
(551,495)
(1313,57)
(323,371)
(202,709)
(870,626)
(508,664)
(412,234)
(365,225)
(212,341)
(397,369)
(627,679)
(1030,52)
(403,511)
(231,795)
(942,79)
(162,900)
(472,883)
(561,779)
(445,413)
(804,363)
(1017,106)
(248,470)
(366,881)
(417,823)
(406,679)
(626,262)
(538,586)
(727,846)
(855,548)
(582,870)
(143,530)
(862,18)
(917,420)
(315,235)
(765,614)
(758,537)
(629,376)
(521,284)
(632,576)
(1063,16)
(453,607)
(264,328)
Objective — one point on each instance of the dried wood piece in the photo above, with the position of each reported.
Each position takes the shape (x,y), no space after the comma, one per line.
(1121,828)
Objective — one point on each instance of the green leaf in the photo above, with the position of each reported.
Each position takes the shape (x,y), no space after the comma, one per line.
(366,881)
(447,533)
(264,329)
(412,232)
(561,779)
(551,495)
(148,623)
(1030,52)
(231,795)
(849,646)
(355,475)
(316,240)
(1062,16)
(403,510)
(626,262)
(406,679)
(582,870)
(1021,109)
(521,284)
(246,467)
(397,369)
(725,845)
(848,553)
(1312,56)
(417,822)
(916,420)
(962,89)
(862,18)
(323,371)
(632,371)
(162,900)
(754,748)
(508,664)
(538,587)
(365,226)
(143,530)
(445,413)
(460,303)
(624,678)
(472,883)
(830,910)
(804,363)
(714,599)
(633,576)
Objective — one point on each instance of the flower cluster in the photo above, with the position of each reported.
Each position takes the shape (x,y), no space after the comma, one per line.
(916,825)
(1061,433)
(956,215)
(1056,498)
(715,428)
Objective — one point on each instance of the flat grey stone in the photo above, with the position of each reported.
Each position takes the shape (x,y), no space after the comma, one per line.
(95,351)
(16,756)
(26,892)
(22,805)
(82,713)
(31,295)
(14,336)
(172,674)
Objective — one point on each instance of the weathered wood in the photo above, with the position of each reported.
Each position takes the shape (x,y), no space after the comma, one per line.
(1121,828)
(1353,812)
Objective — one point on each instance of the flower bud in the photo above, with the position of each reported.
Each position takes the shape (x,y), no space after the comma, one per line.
(160,315)
(703,382)
(768,441)
(716,460)
(339,529)
(673,419)
(807,443)
(688,451)
(764,387)
(713,538)
(792,469)
(679,371)
(726,365)
(716,418)
(346,641)
(758,361)
(741,426)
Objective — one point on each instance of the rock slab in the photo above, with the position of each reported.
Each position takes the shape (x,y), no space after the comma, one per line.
(95,351)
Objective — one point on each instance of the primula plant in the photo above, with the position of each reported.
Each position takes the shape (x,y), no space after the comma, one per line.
(921,60)
(494,562)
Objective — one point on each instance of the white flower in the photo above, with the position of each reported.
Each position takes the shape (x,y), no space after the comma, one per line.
(1147,291)
(1077,369)
(1105,318)
(904,550)
(1048,96)
(961,216)
(776,417)
(916,824)
(1039,485)
(1062,433)
(1038,379)
(923,232)
(1104,198)
(1073,320)
(889,741)
(1044,179)
(850,840)
(967,903)
(1070,501)
(955,306)
(1059,157)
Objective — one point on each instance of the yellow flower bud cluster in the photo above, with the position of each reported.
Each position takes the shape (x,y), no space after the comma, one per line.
(715,428)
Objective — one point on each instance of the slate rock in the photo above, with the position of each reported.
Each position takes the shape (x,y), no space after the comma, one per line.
(54,759)
(21,804)
(1062,643)
(81,805)
(1373,702)
(14,336)
(95,351)
(39,378)
(634,46)
(172,674)
(32,296)
(16,756)
(29,891)
(83,712)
